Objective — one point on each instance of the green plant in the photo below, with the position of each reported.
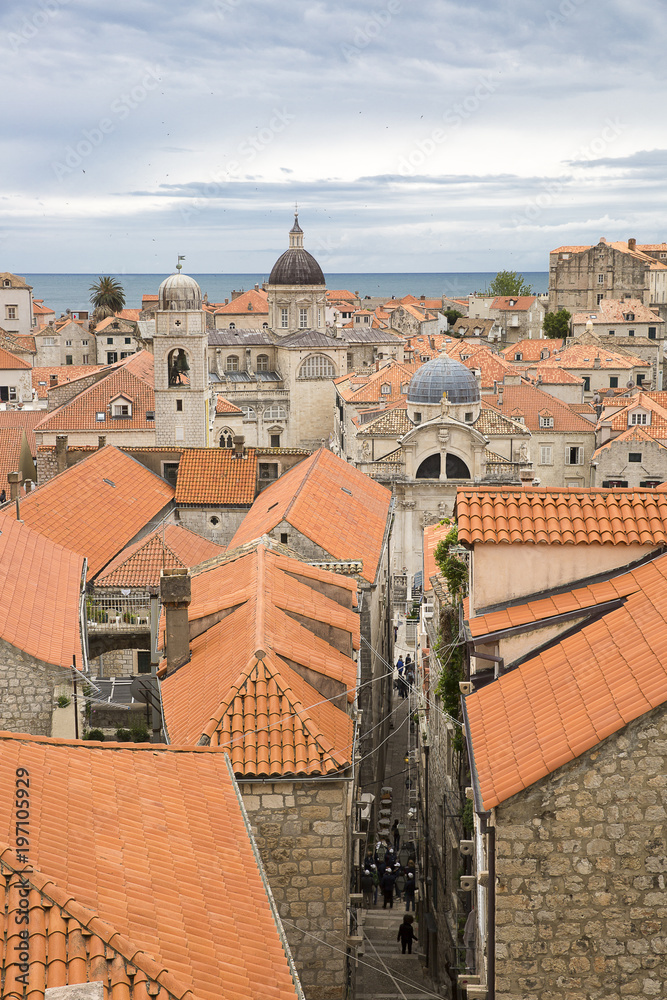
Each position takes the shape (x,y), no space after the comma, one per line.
(140,734)
(123,735)
(95,613)
(63,701)
(95,734)
(467,817)
(129,618)
(451,566)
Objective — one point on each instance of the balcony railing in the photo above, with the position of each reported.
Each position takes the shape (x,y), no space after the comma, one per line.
(125,614)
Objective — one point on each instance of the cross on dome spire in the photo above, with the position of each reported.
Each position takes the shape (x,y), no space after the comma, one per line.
(296,232)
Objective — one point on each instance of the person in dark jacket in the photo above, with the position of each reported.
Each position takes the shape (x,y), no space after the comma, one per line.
(406,935)
(409,891)
(367,888)
(387,886)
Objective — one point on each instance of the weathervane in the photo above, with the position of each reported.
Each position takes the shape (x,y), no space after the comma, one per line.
(179,266)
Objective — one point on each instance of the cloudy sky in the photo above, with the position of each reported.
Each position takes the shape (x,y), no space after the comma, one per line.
(416,135)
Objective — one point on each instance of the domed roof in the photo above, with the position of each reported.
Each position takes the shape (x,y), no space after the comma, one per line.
(179,291)
(443,375)
(296,266)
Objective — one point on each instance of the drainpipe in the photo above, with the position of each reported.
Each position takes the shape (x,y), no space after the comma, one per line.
(490,832)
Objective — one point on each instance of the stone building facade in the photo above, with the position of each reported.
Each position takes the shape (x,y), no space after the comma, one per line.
(580,277)
(301,829)
(29,689)
(581,909)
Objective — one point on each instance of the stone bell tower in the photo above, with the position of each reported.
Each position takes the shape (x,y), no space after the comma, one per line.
(180,349)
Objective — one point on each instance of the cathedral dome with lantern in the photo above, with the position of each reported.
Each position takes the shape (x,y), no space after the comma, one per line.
(296,266)
(180,292)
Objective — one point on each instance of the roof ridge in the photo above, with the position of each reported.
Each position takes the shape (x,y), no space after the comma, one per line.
(302,484)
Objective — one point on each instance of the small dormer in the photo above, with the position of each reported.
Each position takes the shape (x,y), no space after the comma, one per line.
(512,303)
(121,407)
(546,418)
(639,417)
(628,317)
(385,389)
(518,356)
(544,353)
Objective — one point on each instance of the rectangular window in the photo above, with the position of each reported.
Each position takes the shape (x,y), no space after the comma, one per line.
(303,319)
(275,440)
(640,378)
(112,357)
(652,332)
(612,333)
(599,298)
(635,456)
(143,661)
(109,340)
(600,279)
(638,418)
(546,421)
(283,319)
(68,359)
(122,410)
(170,472)
(587,383)
(631,333)
(284,538)
(49,341)
(574,455)
(613,381)
(11,312)
(84,359)
(546,455)
(84,343)
(128,340)
(179,405)
(99,416)
(68,343)
(13,395)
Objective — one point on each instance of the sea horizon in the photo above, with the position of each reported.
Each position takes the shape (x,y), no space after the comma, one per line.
(62,290)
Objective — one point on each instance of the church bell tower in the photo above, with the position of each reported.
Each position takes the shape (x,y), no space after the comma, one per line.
(180,349)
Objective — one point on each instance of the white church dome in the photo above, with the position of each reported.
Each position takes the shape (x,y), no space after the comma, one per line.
(179,291)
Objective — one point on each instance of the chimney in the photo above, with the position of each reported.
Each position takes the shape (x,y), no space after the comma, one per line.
(602,239)
(239,441)
(632,244)
(501,389)
(101,441)
(377,366)
(61,452)
(175,596)
(526,475)
(597,362)
(53,380)
(14,479)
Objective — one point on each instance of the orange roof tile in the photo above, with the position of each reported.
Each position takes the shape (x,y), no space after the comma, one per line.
(216,476)
(97,506)
(224,406)
(139,564)
(561,517)
(143,875)
(40,590)
(396,375)
(584,356)
(553,376)
(10,361)
(567,699)
(80,413)
(11,442)
(618,419)
(340,293)
(252,301)
(328,501)
(529,401)
(492,367)
(513,303)
(41,377)
(616,311)
(239,689)
(637,434)
(532,349)
(27,419)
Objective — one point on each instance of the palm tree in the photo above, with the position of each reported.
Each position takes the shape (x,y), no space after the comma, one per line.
(107,297)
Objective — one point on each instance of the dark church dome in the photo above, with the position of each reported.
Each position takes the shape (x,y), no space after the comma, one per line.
(296,266)
(443,375)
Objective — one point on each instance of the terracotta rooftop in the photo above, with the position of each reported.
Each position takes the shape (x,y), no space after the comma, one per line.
(392,422)
(529,402)
(621,245)
(433,534)
(492,367)
(41,377)
(657,427)
(140,564)
(107,489)
(618,311)
(570,697)
(11,445)
(552,376)
(143,876)
(216,476)
(532,349)
(331,503)
(27,419)
(561,516)
(14,280)
(513,303)
(492,422)
(40,592)
(224,406)
(584,356)
(248,302)
(121,386)
(245,686)
(10,361)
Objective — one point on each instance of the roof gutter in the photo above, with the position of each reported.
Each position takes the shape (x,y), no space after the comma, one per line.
(267,887)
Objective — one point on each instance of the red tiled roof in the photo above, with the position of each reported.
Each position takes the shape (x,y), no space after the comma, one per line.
(11,439)
(639,435)
(40,589)
(573,695)
(224,406)
(513,303)
(531,349)
(396,374)
(530,402)
(248,302)
(80,413)
(140,564)
(239,689)
(616,310)
(340,293)
(561,517)
(618,420)
(10,361)
(433,534)
(97,506)
(492,367)
(27,419)
(41,377)
(584,356)
(328,501)
(216,476)
(142,876)
(553,376)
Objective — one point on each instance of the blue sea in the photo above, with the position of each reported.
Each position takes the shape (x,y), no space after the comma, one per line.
(72,291)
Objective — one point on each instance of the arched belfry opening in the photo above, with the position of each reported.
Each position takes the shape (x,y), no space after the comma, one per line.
(178,367)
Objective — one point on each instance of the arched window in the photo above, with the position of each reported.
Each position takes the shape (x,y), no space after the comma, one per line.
(249,413)
(317,366)
(232,326)
(275,412)
(226,438)
(262,362)
(232,363)
(178,367)
(429,468)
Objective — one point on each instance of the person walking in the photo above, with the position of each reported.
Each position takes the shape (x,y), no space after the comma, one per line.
(397,836)
(376,883)
(406,935)
(367,888)
(387,886)
(409,891)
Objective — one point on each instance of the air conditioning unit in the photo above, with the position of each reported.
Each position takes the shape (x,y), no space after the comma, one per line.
(467,883)
(467,847)
(466,687)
